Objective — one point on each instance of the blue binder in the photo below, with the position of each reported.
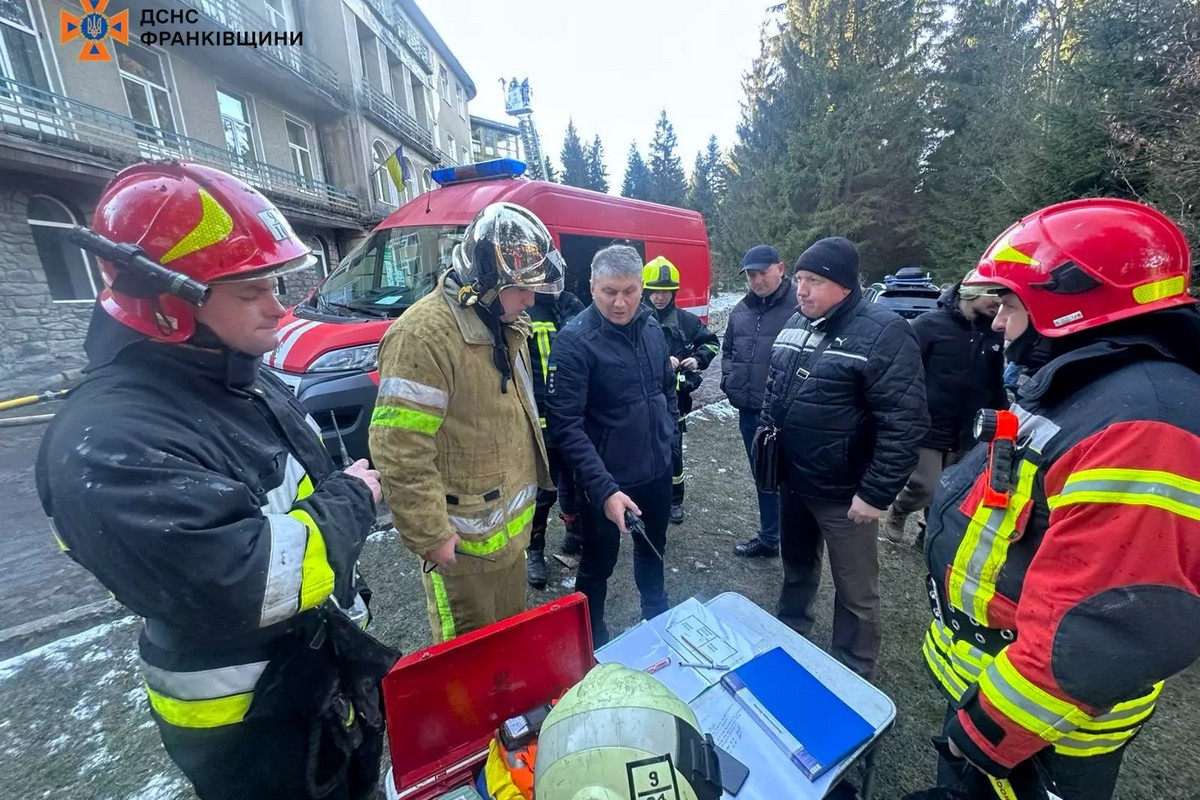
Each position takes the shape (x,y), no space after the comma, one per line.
(809,722)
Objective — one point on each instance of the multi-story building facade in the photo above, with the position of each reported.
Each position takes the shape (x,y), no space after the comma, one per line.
(491,139)
(308,123)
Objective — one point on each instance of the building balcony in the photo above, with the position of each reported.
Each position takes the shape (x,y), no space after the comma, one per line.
(280,68)
(58,126)
(385,111)
(404,32)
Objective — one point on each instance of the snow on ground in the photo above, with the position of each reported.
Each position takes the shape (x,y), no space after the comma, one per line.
(725,301)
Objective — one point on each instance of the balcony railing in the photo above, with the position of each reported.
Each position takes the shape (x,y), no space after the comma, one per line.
(231,15)
(385,108)
(391,16)
(60,121)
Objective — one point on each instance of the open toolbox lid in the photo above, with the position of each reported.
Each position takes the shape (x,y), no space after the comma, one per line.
(445,703)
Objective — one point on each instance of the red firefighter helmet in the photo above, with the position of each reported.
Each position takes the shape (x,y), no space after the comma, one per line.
(1085,263)
(196,220)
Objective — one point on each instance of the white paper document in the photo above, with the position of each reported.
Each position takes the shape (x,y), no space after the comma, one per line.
(696,633)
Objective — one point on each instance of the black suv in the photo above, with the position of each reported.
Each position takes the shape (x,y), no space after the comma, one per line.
(910,292)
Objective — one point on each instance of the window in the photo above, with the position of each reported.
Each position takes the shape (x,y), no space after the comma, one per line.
(302,160)
(427,180)
(145,86)
(70,273)
(279,14)
(577,249)
(410,189)
(444,83)
(321,253)
(451,147)
(20,59)
(466,156)
(460,98)
(381,181)
(235,118)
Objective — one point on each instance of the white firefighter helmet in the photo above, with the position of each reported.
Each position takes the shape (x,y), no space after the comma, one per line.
(620,733)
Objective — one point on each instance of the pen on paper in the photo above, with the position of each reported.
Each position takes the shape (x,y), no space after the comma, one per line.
(653,668)
(702,666)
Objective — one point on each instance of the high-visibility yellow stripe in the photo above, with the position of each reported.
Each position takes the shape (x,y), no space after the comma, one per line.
(442,601)
(954,685)
(1134,487)
(1127,714)
(214,226)
(1002,787)
(1027,704)
(498,540)
(316,581)
(406,419)
(1160,289)
(200,713)
(305,488)
(1000,541)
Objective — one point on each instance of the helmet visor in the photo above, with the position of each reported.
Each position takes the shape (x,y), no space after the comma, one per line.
(306,261)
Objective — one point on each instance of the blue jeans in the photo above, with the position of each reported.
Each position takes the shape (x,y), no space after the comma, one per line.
(768,504)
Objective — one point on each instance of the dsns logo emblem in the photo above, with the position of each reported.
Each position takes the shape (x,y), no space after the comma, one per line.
(94,27)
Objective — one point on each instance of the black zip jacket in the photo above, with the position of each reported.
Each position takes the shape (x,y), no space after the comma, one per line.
(851,418)
(613,409)
(964,372)
(198,491)
(746,347)
(687,337)
(548,315)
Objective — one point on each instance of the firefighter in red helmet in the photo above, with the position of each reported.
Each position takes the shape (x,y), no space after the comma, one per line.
(1064,555)
(198,491)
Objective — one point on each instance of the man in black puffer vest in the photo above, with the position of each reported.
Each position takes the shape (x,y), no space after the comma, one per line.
(692,347)
(847,393)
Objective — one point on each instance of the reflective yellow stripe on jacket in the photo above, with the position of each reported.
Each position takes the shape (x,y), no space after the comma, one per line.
(497,526)
(542,331)
(299,576)
(410,406)
(203,698)
(957,666)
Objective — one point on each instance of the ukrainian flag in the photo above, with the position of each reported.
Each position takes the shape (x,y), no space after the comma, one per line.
(395,168)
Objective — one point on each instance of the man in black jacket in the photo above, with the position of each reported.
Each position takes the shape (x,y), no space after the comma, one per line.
(964,368)
(548,314)
(847,394)
(692,346)
(194,486)
(745,358)
(613,414)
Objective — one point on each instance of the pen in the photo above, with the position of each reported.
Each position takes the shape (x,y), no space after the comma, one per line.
(702,666)
(653,668)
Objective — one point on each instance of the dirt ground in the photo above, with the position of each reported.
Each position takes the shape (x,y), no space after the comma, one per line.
(75,723)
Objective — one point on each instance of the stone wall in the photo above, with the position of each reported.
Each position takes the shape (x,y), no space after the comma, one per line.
(39,339)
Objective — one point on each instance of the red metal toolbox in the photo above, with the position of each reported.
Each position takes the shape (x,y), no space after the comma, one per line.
(444,703)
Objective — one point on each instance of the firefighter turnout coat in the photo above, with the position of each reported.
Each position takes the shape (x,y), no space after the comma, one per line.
(1059,615)
(459,456)
(199,492)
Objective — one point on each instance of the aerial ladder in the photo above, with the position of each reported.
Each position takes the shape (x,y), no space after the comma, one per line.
(517,104)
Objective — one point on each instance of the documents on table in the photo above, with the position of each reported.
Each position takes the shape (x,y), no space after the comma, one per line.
(688,635)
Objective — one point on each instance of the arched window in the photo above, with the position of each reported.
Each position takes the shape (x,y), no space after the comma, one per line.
(322,254)
(427,180)
(381,183)
(70,273)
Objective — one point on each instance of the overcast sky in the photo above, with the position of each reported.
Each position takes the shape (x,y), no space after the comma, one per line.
(611,66)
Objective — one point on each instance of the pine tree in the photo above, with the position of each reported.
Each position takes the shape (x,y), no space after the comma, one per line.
(707,183)
(549,170)
(597,173)
(574,160)
(637,176)
(668,183)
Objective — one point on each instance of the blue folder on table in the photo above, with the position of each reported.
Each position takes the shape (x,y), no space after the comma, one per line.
(809,722)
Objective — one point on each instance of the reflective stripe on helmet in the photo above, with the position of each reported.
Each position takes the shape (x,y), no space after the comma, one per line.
(214,226)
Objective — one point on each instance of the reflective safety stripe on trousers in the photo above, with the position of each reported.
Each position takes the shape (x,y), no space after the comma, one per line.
(299,575)
(202,699)
(984,548)
(498,525)
(957,665)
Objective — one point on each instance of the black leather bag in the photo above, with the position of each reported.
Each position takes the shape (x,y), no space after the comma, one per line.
(764,453)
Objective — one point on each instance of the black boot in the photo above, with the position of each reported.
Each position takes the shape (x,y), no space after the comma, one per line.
(676,513)
(572,544)
(535,568)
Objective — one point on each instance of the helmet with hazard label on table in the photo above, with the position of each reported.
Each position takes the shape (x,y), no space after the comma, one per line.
(621,733)
(195,220)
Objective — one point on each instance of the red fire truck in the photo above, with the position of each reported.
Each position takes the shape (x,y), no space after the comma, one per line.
(328,344)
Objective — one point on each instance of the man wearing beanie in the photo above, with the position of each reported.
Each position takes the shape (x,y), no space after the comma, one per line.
(846,393)
(964,372)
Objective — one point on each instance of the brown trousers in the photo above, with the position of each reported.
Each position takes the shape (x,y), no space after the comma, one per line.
(459,604)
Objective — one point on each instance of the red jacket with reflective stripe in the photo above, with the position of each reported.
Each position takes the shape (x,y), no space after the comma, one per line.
(1094,566)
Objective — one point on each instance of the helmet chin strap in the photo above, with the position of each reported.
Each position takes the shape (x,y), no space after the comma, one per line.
(241,369)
